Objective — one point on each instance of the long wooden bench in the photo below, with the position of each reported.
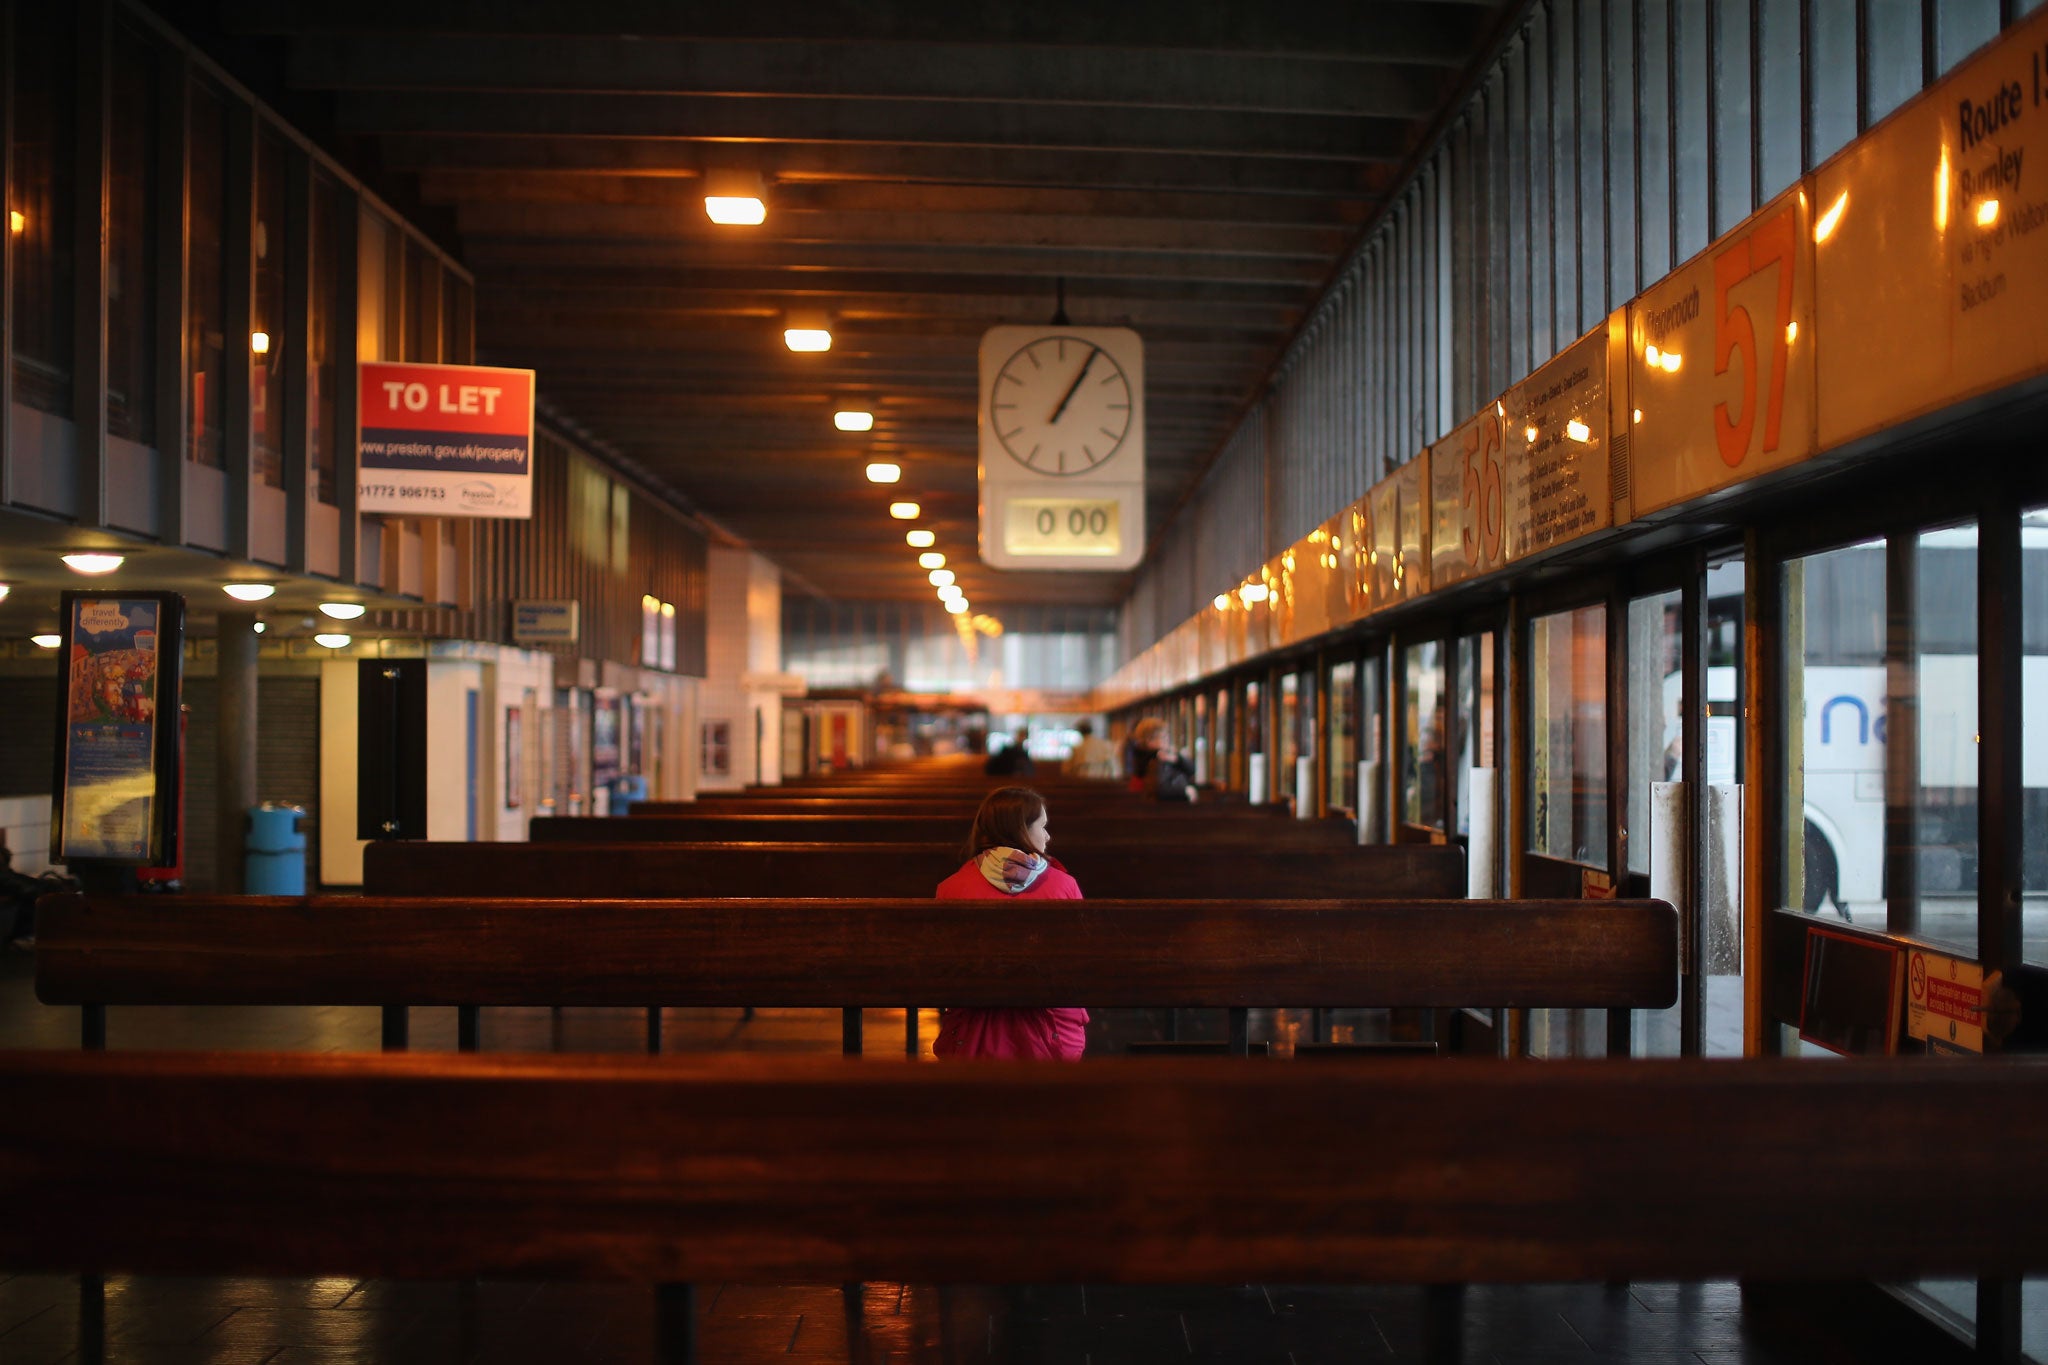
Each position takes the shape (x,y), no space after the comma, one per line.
(472,951)
(1220,831)
(674,1170)
(1378,872)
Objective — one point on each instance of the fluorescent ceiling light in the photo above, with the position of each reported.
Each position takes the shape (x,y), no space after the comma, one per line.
(919,539)
(958,606)
(904,511)
(881,471)
(332,641)
(941,578)
(93,563)
(951,591)
(342,611)
(735,198)
(931,560)
(248,592)
(854,421)
(46,641)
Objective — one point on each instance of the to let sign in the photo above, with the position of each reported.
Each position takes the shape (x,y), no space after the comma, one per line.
(445,440)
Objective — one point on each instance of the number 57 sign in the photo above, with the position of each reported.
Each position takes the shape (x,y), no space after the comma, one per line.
(1721,361)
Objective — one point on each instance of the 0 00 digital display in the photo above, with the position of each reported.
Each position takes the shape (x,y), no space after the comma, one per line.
(1063,526)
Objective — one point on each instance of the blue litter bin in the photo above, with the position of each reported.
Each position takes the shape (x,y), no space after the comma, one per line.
(627,792)
(274,862)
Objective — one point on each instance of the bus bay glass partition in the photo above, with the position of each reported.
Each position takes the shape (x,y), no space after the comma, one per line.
(1287,729)
(1422,739)
(2034,732)
(1656,729)
(1475,718)
(1341,784)
(1219,730)
(1568,736)
(1255,740)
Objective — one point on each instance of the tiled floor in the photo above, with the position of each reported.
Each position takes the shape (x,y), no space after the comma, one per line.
(346,1322)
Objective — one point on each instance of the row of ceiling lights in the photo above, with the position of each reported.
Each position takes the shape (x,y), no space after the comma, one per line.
(738,198)
(96,564)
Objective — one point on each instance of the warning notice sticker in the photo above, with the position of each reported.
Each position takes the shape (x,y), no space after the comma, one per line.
(1945,1001)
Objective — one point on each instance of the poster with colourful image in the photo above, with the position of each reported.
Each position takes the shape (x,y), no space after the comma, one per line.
(112,783)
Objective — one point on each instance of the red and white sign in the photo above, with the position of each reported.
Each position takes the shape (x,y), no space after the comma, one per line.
(1945,1000)
(445,440)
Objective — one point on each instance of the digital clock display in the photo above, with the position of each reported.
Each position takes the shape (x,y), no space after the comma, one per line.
(1063,526)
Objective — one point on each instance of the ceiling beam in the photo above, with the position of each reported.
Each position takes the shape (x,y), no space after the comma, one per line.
(877,122)
(613,326)
(1383,30)
(1013,73)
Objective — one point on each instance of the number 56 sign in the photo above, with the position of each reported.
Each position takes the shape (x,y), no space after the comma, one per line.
(1721,361)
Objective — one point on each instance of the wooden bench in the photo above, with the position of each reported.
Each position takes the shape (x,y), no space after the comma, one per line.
(674,1170)
(473,951)
(1378,872)
(1193,829)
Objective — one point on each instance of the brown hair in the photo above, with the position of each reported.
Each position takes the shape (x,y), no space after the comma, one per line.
(1005,820)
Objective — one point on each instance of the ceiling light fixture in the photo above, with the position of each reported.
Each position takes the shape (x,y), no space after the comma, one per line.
(951,591)
(4,590)
(957,607)
(735,198)
(93,563)
(904,511)
(881,471)
(332,641)
(248,592)
(919,539)
(259,342)
(259,627)
(931,559)
(941,578)
(46,641)
(854,421)
(807,331)
(343,611)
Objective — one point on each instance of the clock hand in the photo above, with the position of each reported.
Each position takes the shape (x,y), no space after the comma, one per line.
(1072,388)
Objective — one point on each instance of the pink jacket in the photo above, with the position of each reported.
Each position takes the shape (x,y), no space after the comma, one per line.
(1026,1034)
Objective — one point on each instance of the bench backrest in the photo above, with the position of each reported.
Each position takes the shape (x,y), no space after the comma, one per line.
(785,1171)
(1380,871)
(375,950)
(1223,831)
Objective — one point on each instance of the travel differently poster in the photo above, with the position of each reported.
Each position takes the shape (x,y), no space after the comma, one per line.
(445,440)
(115,689)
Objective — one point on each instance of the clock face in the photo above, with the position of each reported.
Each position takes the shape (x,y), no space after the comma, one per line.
(1060,405)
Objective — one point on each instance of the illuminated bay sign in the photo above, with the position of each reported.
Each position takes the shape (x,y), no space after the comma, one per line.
(445,440)
(1062,467)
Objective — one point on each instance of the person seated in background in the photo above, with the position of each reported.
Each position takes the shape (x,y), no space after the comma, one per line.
(1156,767)
(1092,757)
(1013,761)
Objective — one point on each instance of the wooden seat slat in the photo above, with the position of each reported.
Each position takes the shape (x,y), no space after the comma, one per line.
(786,1171)
(1381,871)
(476,951)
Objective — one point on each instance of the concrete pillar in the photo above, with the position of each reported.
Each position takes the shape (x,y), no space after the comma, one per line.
(235,783)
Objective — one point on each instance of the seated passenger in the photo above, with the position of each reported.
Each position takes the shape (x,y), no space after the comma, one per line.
(1012,761)
(1092,757)
(1006,858)
(1156,767)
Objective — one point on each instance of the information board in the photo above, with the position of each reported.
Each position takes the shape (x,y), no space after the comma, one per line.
(1721,361)
(445,440)
(1932,252)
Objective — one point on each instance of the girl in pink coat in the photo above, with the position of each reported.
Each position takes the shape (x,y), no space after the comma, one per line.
(1006,858)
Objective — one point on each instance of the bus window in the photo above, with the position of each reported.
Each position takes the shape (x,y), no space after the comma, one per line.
(1568,735)
(1943,683)
(2034,732)
(1656,722)
(1422,743)
(1342,783)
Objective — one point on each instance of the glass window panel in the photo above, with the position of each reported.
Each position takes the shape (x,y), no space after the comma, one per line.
(40,207)
(329,316)
(1778,118)
(1943,687)
(1422,745)
(1835,675)
(1475,718)
(1721,851)
(1653,94)
(1732,114)
(1254,733)
(2034,729)
(131,241)
(206,309)
(1568,749)
(1289,727)
(1893,41)
(1689,77)
(270,348)
(1655,713)
(1372,739)
(1220,737)
(1832,45)
(1960,28)
(1343,778)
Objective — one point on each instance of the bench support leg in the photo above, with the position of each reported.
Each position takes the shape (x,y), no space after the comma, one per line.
(1172,1025)
(1240,1031)
(1621,1033)
(92,1027)
(675,1324)
(1319,1025)
(468,1336)
(849,1032)
(397,1023)
(911,1042)
(1443,1324)
(92,1319)
(654,1029)
(469,1028)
